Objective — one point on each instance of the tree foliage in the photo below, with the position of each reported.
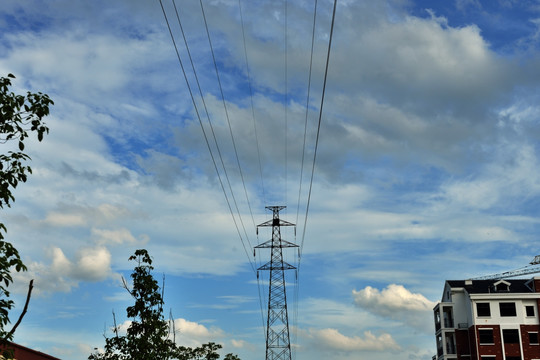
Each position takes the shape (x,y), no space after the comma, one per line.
(149,336)
(20,116)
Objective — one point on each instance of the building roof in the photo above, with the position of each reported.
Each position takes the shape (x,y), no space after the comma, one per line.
(489,286)
(23,353)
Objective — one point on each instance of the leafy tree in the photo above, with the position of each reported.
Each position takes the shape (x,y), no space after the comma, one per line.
(148,337)
(20,116)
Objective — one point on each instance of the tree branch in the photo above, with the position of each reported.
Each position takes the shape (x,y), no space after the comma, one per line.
(115,327)
(30,287)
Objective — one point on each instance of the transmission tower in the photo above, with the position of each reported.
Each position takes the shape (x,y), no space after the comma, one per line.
(278,345)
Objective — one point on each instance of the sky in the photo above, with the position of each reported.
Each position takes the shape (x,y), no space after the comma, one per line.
(426,169)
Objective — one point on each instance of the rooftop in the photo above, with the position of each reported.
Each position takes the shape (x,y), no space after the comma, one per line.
(493,285)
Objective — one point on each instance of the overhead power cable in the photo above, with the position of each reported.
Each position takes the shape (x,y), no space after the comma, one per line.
(318,129)
(209,120)
(286,35)
(204,132)
(228,120)
(251,99)
(297,278)
(257,144)
(307,107)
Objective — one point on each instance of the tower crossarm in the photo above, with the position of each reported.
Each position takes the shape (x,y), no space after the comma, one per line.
(283,266)
(269,244)
(276,222)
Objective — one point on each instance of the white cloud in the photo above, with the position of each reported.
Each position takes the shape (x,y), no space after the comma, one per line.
(195,334)
(114,237)
(92,264)
(423,52)
(330,340)
(474,206)
(397,303)
(72,215)
(238,343)
(123,327)
(99,62)
(62,274)
(188,333)
(64,220)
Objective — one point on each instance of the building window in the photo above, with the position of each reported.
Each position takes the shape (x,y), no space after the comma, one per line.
(529,310)
(485,336)
(483,309)
(533,338)
(510,336)
(439,345)
(513,358)
(448,318)
(502,285)
(507,309)
(450,344)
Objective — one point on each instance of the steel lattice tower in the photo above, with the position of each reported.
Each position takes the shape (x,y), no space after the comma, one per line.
(278,346)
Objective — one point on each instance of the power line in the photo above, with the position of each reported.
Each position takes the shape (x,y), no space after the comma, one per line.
(204,132)
(257,144)
(228,120)
(318,128)
(209,120)
(286,34)
(307,107)
(286,98)
(297,277)
(251,100)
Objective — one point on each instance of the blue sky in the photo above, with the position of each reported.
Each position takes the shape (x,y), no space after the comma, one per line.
(427,164)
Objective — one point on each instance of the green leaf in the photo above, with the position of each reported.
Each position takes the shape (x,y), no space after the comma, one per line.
(147,337)
(20,117)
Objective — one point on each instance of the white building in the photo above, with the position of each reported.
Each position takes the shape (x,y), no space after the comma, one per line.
(488,320)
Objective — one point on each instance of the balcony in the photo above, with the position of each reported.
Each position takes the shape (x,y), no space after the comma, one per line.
(448,317)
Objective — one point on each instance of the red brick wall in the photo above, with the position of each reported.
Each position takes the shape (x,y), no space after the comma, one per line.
(536,285)
(529,351)
(462,342)
(472,341)
(496,348)
(512,350)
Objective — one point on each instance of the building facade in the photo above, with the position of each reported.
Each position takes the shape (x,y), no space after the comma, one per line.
(488,320)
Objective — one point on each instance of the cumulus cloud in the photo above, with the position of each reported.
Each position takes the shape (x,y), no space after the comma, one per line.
(195,334)
(62,274)
(189,333)
(238,343)
(123,327)
(397,303)
(92,264)
(332,340)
